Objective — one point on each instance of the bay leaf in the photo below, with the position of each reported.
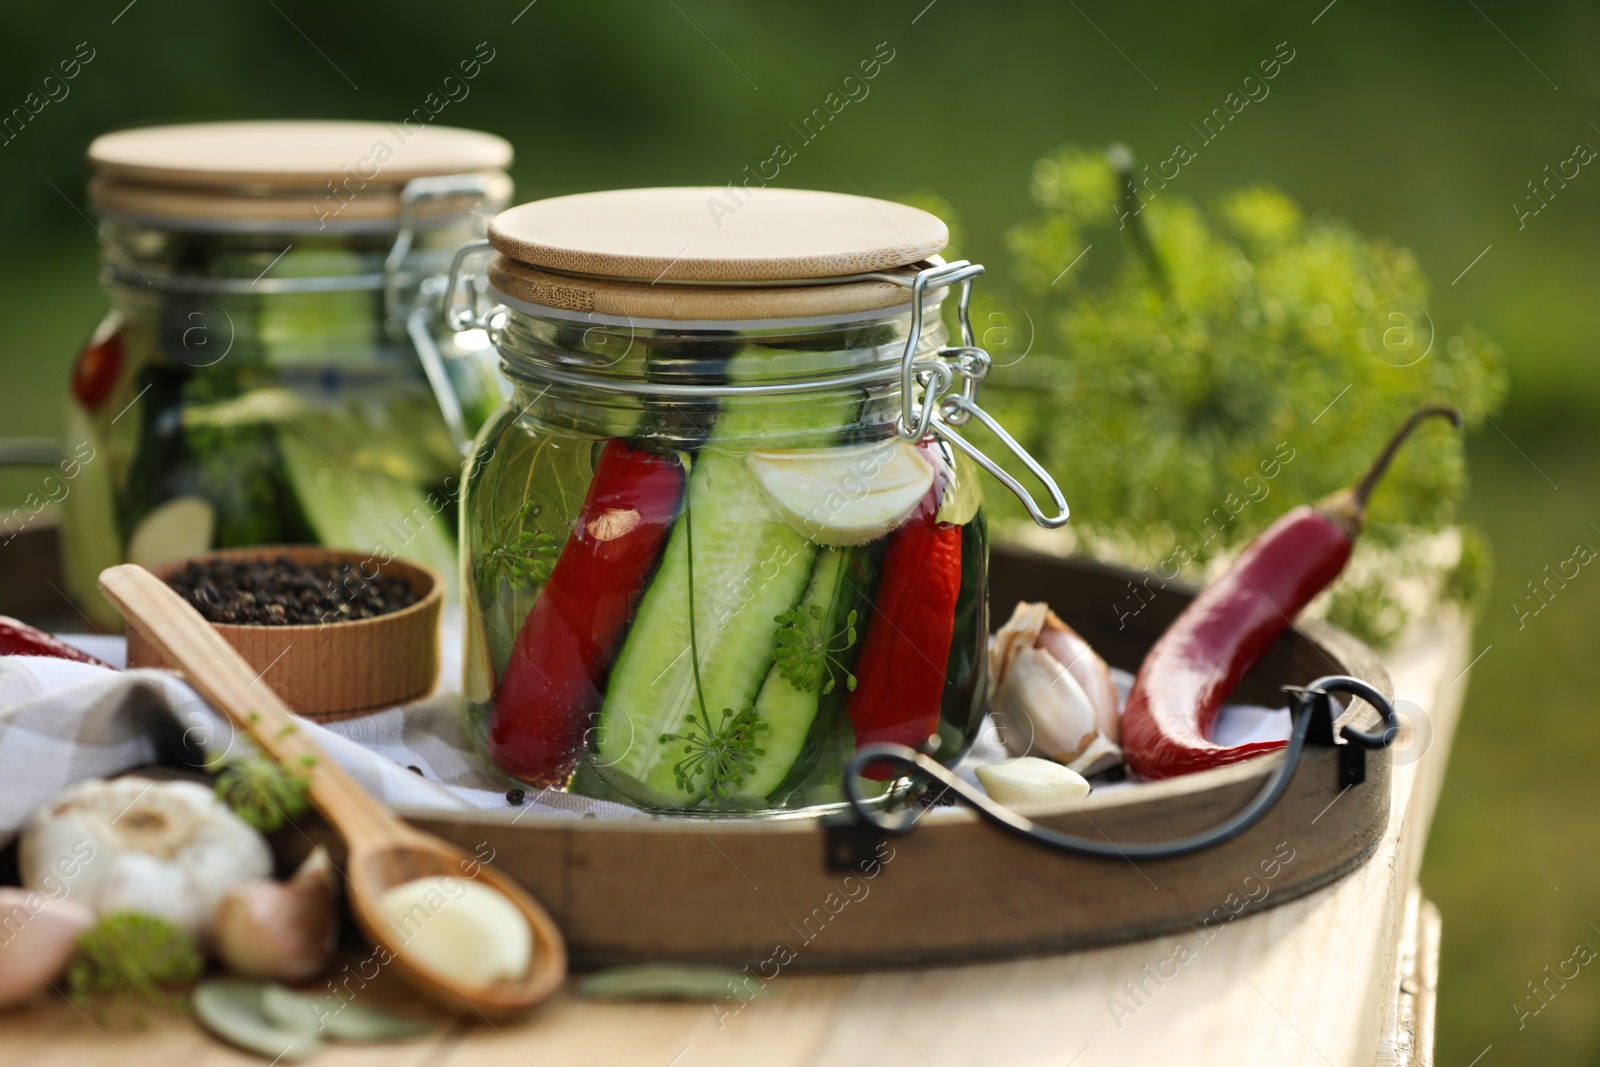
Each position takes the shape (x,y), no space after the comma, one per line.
(671,981)
(231,1009)
(333,1019)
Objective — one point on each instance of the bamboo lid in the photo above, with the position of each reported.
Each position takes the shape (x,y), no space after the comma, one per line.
(691,303)
(639,252)
(319,173)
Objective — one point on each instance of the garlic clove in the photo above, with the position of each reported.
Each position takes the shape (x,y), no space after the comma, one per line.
(1030,780)
(1101,755)
(458,929)
(1087,668)
(38,936)
(1019,632)
(1043,709)
(281,930)
(1051,694)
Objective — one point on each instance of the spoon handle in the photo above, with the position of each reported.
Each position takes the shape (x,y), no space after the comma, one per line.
(232,686)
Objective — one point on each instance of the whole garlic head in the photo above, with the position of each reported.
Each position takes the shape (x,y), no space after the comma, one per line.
(1052,694)
(167,849)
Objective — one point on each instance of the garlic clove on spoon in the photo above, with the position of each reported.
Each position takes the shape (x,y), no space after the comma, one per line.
(1051,693)
(281,930)
(460,930)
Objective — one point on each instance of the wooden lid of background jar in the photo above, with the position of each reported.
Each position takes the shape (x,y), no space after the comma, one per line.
(318,174)
(646,252)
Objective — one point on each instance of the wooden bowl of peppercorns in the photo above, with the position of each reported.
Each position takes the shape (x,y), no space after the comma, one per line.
(334,633)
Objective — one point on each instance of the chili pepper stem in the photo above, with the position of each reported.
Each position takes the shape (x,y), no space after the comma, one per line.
(1347,508)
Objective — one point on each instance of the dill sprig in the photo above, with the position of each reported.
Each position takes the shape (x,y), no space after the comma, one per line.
(525,557)
(262,792)
(720,755)
(133,958)
(807,654)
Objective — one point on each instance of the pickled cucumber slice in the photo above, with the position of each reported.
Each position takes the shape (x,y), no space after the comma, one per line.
(789,710)
(845,496)
(749,566)
(175,530)
(320,329)
(379,514)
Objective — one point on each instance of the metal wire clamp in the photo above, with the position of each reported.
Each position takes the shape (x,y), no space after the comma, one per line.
(927,404)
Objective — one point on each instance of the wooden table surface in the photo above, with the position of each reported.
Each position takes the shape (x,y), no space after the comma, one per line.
(1342,976)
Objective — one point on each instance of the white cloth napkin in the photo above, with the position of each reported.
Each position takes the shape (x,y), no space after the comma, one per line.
(62,722)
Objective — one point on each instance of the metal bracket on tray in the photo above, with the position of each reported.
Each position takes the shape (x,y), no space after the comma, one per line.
(1313,717)
(939,411)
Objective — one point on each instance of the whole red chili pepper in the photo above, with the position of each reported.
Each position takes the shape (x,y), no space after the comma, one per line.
(903,656)
(19,639)
(554,682)
(1196,664)
(97,366)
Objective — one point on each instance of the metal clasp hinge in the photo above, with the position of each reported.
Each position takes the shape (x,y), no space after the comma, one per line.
(479,313)
(415,191)
(936,409)
(418,319)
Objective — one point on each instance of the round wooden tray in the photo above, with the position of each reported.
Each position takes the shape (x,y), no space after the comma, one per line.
(763,893)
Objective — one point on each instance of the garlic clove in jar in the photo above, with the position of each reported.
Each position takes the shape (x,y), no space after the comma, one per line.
(1045,705)
(38,936)
(1030,780)
(281,930)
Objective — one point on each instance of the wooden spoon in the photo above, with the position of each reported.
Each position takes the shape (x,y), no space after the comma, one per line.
(383,851)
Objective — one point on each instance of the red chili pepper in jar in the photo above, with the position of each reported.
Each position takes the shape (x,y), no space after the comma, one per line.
(95,372)
(1197,663)
(17,638)
(554,681)
(901,669)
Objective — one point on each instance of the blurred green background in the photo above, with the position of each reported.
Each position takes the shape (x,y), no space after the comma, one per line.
(1421,124)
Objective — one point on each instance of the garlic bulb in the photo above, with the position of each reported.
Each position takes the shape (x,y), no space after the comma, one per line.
(167,849)
(282,930)
(38,936)
(1052,695)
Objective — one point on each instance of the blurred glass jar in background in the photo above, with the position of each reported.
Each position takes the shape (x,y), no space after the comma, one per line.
(271,370)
